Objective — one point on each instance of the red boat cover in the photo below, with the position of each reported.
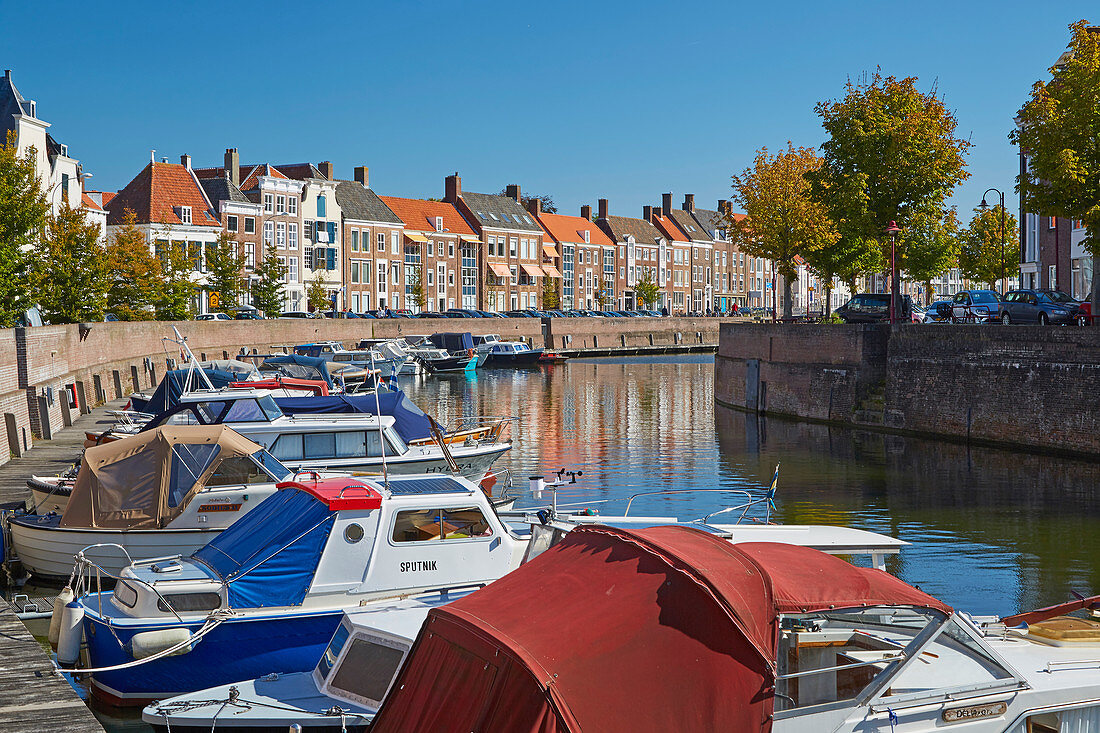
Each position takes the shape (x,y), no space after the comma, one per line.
(659,629)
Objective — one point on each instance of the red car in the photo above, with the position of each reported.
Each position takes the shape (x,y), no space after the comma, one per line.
(1084,311)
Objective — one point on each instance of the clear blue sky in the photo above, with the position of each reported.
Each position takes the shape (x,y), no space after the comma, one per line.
(580,100)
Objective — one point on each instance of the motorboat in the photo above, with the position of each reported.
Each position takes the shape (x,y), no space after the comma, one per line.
(438,360)
(334,352)
(506,353)
(268,592)
(396,352)
(457,344)
(341,693)
(596,634)
(163,492)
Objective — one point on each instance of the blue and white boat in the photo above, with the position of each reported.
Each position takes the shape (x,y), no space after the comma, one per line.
(497,353)
(267,593)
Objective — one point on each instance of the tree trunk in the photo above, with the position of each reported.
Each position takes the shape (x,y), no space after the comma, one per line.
(1095,288)
(788,306)
(927,292)
(827,306)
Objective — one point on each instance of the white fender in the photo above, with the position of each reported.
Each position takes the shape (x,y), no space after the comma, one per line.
(148,643)
(70,633)
(59,603)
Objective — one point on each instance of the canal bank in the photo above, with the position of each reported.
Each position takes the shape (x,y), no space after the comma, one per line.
(1021,387)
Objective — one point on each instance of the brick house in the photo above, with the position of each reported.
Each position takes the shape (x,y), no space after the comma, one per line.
(236,211)
(321,251)
(578,245)
(171,210)
(440,240)
(684,267)
(729,260)
(373,232)
(510,244)
(634,243)
(710,269)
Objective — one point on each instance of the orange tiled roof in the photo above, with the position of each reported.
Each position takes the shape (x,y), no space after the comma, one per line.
(156,193)
(107,196)
(669,229)
(89,202)
(571,229)
(419,215)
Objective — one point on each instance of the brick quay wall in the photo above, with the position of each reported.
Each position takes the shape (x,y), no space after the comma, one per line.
(1016,386)
(40,368)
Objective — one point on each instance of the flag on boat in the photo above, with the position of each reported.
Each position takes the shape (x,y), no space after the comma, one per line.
(772,489)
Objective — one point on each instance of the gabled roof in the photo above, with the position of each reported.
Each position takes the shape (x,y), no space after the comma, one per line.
(690,226)
(301,171)
(11,103)
(419,215)
(360,203)
(500,212)
(571,229)
(252,179)
(669,229)
(713,221)
(155,194)
(89,203)
(222,189)
(622,226)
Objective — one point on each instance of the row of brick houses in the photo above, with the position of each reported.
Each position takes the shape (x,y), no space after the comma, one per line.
(466,250)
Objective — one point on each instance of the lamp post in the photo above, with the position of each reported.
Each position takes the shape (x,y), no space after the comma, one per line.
(984,206)
(892,229)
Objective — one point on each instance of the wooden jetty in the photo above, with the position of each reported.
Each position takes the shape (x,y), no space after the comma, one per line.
(34,695)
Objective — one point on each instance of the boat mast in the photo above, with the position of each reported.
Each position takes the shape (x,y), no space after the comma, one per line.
(192,362)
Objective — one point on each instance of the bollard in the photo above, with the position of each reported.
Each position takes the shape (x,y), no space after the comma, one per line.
(134,377)
(225,354)
(44,417)
(117,379)
(97,386)
(82,398)
(66,415)
(12,429)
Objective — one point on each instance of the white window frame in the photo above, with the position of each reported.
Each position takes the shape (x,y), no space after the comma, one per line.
(269,232)
(185,214)
(269,203)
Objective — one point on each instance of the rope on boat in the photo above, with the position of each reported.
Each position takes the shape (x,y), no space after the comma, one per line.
(166,710)
(212,622)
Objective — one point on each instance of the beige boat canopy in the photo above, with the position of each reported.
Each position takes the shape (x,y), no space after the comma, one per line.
(144,481)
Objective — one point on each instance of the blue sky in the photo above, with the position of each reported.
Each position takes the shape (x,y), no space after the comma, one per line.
(582,101)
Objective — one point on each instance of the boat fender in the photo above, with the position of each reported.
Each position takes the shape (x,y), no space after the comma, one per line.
(59,603)
(70,634)
(148,643)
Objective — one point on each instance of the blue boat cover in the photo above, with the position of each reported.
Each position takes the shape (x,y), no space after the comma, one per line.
(175,383)
(453,342)
(409,420)
(301,367)
(269,555)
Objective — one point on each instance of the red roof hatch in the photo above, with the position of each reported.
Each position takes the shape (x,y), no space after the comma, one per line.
(338,493)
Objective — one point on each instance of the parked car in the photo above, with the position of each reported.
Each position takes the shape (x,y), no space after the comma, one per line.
(1039,306)
(489,314)
(436,314)
(1084,311)
(340,314)
(459,313)
(213,317)
(246,315)
(299,314)
(932,312)
(973,306)
(873,308)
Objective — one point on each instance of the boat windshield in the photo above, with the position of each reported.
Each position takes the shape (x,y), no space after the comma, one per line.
(271,465)
(271,410)
(368,669)
(332,652)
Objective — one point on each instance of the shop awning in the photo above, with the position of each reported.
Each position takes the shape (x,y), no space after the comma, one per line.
(469,238)
(500,270)
(549,250)
(551,271)
(416,236)
(532,270)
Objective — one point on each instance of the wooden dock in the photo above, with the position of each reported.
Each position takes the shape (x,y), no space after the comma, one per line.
(34,695)
(637,350)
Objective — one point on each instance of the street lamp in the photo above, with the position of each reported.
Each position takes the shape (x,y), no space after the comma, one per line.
(984,206)
(892,229)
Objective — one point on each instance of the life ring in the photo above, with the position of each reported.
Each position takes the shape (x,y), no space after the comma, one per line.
(469,352)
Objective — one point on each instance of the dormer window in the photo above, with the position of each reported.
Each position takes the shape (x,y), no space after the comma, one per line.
(587,237)
(439,223)
(185,214)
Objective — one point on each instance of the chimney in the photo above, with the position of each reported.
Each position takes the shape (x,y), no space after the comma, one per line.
(362,174)
(658,211)
(647,213)
(326,169)
(452,187)
(185,161)
(153,155)
(666,202)
(689,202)
(602,203)
(724,206)
(512,191)
(233,165)
(535,206)
(586,212)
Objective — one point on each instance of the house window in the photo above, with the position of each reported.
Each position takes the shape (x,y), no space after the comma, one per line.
(292,235)
(286,277)
(249,254)
(249,225)
(280,205)
(431,278)
(395,244)
(269,203)
(382,276)
(587,236)
(431,248)
(381,241)
(450,277)
(451,249)
(292,268)
(441,280)
(185,214)
(523,249)
(513,243)
(321,206)
(395,274)
(231,223)
(439,223)
(292,205)
(308,230)
(355,271)
(280,235)
(354,240)
(269,232)
(513,270)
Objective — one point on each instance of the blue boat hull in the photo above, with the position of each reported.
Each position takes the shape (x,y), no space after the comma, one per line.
(238,649)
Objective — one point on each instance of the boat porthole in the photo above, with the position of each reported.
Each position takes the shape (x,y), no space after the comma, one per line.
(353,533)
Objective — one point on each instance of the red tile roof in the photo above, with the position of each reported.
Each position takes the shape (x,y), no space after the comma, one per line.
(419,215)
(249,173)
(107,196)
(89,202)
(571,229)
(156,193)
(669,229)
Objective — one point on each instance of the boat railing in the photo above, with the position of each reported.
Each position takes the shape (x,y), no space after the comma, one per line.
(745,507)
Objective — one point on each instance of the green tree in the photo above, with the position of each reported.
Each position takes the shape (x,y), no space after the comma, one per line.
(267,290)
(23,214)
(317,292)
(891,153)
(646,289)
(782,221)
(1058,128)
(931,246)
(70,272)
(846,258)
(133,273)
(224,267)
(984,256)
(546,202)
(174,297)
(418,295)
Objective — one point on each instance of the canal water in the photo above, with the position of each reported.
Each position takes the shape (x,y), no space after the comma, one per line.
(992,531)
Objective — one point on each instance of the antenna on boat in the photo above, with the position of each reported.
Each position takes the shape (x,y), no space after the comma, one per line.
(192,362)
(381,437)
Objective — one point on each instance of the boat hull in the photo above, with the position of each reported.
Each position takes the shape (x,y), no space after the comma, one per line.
(49,493)
(238,649)
(473,463)
(521,359)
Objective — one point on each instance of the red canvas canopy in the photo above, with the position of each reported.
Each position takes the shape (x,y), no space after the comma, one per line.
(659,629)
